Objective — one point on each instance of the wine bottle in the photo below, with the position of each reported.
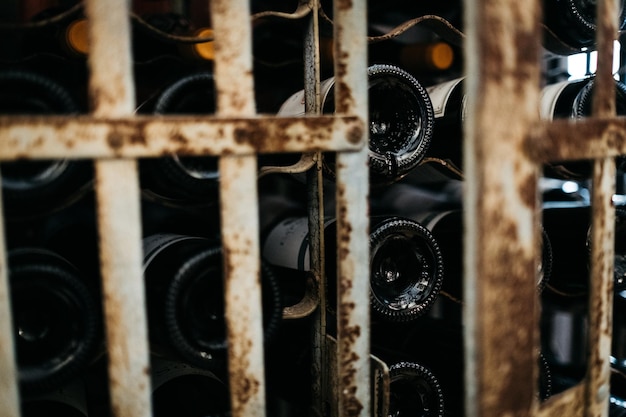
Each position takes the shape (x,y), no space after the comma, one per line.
(57,31)
(443,355)
(182,390)
(400,116)
(564,334)
(427,59)
(446,227)
(617,398)
(56,318)
(414,390)
(36,188)
(449,105)
(618,341)
(185,299)
(572,99)
(406,265)
(569,229)
(178,179)
(68,400)
(573,23)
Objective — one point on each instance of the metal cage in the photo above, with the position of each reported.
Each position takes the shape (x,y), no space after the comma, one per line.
(505,144)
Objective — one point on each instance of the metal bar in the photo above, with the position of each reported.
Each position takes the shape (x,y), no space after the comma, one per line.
(315,197)
(590,138)
(501,216)
(603,226)
(352,223)
(134,137)
(9,395)
(117,189)
(601,288)
(239,212)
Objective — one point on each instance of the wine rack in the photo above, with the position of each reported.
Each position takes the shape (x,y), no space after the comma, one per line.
(505,145)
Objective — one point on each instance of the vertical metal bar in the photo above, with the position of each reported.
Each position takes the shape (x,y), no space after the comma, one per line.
(119,221)
(239,205)
(312,103)
(603,225)
(352,223)
(501,200)
(9,396)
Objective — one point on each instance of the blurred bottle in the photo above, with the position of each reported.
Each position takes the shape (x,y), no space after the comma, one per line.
(34,188)
(183,180)
(428,59)
(401,122)
(56,318)
(564,334)
(569,229)
(406,266)
(414,390)
(69,400)
(54,29)
(572,99)
(185,299)
(182,390)
(573,22)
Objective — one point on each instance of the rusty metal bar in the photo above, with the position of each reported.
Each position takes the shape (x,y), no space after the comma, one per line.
(591,138)
(601,288)
(501,219)
(352,223)
(145,136)
(315,197)
(9,395)
(603,225)
(239,212)
(117,189)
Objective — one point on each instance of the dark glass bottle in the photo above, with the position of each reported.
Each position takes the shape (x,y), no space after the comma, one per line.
(572,99)
(564,334)
(449,105)
(39,187)
(68,400)
(406,266)
(618,341)
(56,318)
(55,30)
(414,390)
(185,299)
(569,229)
(573,22)
(178,179)
(182,390)
(400,116)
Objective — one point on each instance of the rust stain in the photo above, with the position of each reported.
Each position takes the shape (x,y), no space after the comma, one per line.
(344,5)
(179,138)
(355,134)
(115,140)
(527,190)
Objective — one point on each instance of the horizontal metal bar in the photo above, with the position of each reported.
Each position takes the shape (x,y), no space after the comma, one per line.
(567,403)
(591,138)
(150,136)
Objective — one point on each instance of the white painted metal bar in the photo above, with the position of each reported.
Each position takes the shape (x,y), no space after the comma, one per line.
(501,221)
(353,313)
(117,189)
(134,137)
(239,208)
(9,395)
